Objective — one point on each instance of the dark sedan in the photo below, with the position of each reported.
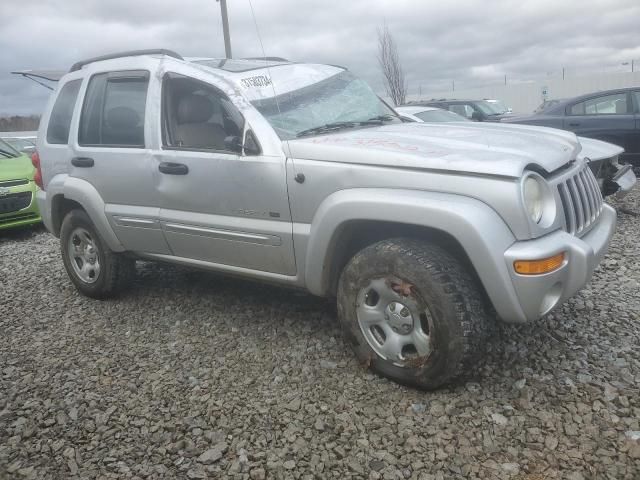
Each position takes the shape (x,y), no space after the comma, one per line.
(612,116)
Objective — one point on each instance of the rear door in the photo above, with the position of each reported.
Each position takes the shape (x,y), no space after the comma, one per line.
(111,153)
(608,117)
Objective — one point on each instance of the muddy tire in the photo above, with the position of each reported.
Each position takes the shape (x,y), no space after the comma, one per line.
(411,312)
(94,269)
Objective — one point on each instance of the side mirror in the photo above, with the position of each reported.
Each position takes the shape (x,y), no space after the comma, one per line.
(251,146)
(233,144)
(477,117)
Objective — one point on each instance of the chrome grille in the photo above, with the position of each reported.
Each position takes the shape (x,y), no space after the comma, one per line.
(581,201)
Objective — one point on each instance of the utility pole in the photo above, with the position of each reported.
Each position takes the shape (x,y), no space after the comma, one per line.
(225,27)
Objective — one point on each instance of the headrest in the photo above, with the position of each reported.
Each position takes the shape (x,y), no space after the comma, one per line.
(194,109)
(122,118)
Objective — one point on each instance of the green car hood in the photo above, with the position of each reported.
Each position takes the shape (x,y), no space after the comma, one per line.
(16,168)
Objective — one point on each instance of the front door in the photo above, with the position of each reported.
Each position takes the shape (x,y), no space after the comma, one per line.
(112,154)
(218,205)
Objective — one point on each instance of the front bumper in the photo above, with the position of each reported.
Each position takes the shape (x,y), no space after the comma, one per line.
(539,294)
(28,215)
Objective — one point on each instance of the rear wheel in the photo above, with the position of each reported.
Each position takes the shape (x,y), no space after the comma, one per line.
(411,312)
(94,269)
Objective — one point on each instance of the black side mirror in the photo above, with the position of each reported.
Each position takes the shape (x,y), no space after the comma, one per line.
(477,116)
(251,146)
(233,144)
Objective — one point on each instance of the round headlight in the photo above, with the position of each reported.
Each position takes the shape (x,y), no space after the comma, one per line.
(533,192)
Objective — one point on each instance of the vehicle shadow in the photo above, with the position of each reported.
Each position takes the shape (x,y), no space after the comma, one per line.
(19,234)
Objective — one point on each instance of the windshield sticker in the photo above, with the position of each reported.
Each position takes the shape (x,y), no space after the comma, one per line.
(257,81)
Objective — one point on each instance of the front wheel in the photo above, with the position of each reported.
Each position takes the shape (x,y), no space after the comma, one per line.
(94,269)
(411,312)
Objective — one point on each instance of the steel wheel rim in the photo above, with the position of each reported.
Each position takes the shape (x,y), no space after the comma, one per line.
(395,322)
(84,255)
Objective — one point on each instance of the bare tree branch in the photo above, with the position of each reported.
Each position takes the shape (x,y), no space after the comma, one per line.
(389,60)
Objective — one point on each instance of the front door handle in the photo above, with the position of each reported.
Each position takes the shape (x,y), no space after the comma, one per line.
(171,168)
(574,124)
(82,162)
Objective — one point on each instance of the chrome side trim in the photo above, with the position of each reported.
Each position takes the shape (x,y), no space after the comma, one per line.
(136,222)
(258,238)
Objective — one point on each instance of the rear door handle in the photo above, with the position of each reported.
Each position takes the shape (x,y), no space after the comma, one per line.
(171,168)
(574,124)
(82,162)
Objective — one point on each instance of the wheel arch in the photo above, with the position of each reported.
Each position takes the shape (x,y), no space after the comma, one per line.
(349,220)
(74,193)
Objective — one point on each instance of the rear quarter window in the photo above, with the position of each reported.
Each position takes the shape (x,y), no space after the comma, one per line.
(60,118)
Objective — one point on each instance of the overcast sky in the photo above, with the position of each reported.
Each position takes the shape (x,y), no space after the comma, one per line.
(474,42)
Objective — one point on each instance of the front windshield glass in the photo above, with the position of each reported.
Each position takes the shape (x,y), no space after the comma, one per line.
(440,116)
(7,150)
(498,106)
(340,98)
(487,108)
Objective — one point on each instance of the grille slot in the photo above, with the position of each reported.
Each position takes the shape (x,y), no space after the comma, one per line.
(14,202)
(13,183)
(17,217)
(581,201)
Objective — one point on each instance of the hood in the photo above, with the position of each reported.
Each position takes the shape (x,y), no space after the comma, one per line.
(596,150)
(470,147)
(17,168)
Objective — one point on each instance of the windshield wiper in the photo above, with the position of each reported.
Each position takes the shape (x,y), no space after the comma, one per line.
(380,119)
(8,154)
(327,127)
(333,126)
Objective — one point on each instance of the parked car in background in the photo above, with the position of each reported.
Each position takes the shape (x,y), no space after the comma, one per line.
(428,114)
(476,110)
(22,144)
(18,204)
(612,116)
(603,157)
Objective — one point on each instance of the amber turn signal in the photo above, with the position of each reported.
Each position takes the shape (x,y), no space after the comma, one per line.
(538,267)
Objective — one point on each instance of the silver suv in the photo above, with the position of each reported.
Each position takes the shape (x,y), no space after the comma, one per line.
(299,174)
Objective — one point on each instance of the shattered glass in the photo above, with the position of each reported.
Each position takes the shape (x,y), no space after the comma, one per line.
(339,98)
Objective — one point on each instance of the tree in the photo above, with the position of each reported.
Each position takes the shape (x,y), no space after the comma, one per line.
(389,60)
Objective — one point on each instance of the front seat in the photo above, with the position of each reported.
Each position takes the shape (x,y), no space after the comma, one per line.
(192,128)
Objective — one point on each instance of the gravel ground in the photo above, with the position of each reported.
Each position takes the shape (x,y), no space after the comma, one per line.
(191,375)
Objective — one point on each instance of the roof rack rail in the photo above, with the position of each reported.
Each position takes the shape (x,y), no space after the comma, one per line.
(132,53)
(266,59)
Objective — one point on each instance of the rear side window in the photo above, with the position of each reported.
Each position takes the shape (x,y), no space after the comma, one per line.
(615,104)
(113,110)
(60,118)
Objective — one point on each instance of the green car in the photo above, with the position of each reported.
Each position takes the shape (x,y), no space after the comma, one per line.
(18,204)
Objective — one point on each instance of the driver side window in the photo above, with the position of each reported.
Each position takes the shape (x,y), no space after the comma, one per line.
(197,116)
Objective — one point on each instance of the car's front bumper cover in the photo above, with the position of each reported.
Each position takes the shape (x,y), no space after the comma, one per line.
(539,294)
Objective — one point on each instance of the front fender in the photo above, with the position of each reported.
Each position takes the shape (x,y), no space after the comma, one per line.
(63,186)
(476,226)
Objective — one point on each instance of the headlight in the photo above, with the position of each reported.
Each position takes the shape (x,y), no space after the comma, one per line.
(533,194)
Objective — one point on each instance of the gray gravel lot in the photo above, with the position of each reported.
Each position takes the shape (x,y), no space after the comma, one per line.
(191,375)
